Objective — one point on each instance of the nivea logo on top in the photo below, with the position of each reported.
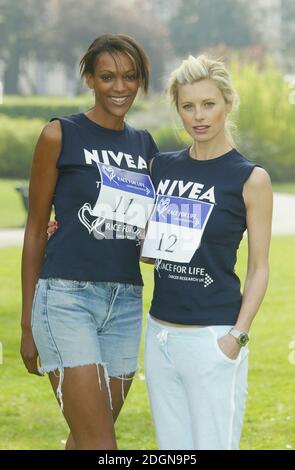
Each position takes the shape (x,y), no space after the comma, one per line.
(192,190)
(109,158)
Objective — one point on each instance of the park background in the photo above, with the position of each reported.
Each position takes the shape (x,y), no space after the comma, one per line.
(41,42)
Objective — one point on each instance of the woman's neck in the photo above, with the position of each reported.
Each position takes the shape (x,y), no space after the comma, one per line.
(209,150)
(102,119)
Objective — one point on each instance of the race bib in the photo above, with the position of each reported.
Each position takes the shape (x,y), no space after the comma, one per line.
(126,198)
(175,229)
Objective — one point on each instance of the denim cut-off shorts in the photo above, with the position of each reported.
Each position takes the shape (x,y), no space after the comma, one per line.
(76,323)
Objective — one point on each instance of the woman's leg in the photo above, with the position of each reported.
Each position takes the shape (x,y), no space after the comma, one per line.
(166,392)
(119,341)
(116,385)
(216,387)
(65,334)
(197,394)
(86,407)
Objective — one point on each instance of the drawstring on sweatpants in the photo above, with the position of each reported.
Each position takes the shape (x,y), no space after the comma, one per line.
(162,337)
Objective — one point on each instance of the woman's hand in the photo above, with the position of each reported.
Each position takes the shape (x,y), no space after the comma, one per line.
(229,346)
(29,352)
(52,228)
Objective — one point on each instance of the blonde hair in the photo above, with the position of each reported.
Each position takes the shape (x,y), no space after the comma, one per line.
(194,69)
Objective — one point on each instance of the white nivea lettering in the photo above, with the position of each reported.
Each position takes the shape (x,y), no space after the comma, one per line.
(163,185)
(179,188)
(129,160)
(209,195)
(182,188)
(105,157)
(91,156)
(109,157)
(141,163)
(196,190)
(172,187)
(116,158)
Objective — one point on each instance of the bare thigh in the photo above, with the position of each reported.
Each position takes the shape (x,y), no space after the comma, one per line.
(118,397)
(119,394)
(86,407)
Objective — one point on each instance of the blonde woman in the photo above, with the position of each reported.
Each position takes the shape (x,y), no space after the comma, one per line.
(196,353)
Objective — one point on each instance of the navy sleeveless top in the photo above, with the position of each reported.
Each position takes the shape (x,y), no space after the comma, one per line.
(205,290)
(94,159)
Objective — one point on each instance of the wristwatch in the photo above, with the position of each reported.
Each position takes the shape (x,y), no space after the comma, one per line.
(242,338)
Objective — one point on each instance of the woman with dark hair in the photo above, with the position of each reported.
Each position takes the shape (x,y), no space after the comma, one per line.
(82,292)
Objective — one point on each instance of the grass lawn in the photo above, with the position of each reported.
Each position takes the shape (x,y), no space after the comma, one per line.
(12,212)
(30,418)
(284,188)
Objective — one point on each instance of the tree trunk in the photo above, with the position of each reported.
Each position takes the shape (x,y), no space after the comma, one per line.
(11,74)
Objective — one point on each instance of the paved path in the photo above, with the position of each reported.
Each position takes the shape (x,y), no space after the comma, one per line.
(283,221)
(11,237)
(283,214)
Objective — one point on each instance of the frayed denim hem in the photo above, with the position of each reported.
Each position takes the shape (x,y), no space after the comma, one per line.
(60,371)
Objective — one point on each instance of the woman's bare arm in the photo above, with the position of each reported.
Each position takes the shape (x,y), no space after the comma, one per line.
(259,202)
(257,195)
(41,191)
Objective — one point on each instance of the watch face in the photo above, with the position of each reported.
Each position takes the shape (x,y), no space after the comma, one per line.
(243,339)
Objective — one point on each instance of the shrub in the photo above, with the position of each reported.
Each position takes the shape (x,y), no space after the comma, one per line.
(18,137)
(44,107)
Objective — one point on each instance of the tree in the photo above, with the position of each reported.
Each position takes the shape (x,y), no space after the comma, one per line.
(200,24)
(288,33)
(72,29)
(59,31)
(20,35)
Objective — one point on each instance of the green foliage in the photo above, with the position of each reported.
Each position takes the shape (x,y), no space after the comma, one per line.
(43,107)
(17,140)
(12,212)
(288,188)
(18,135)
(169,139)
(266,118)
